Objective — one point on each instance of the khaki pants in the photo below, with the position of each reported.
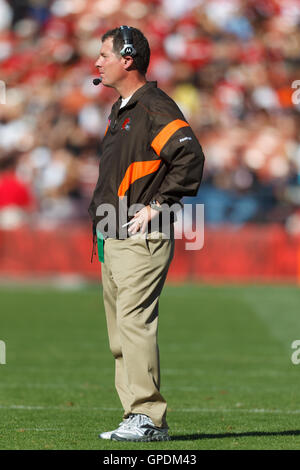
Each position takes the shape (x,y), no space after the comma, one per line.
(133,275)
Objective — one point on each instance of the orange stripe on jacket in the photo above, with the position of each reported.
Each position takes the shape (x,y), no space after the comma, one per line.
(135,171)
(164,135)
(106,128)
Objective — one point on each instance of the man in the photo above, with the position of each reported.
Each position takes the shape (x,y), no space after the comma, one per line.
(151,158)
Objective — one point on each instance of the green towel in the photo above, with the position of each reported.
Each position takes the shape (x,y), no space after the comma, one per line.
(100,243)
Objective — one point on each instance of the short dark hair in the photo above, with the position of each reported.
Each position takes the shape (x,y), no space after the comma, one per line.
(142,58)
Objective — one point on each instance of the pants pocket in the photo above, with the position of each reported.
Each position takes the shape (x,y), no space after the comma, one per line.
(147,244)
(155,245)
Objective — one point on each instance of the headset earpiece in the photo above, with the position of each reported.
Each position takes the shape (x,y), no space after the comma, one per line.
(127,48)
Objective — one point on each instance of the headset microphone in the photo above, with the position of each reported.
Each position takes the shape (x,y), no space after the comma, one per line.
(97,81)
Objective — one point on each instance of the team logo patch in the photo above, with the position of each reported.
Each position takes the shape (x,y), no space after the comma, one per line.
(126,124)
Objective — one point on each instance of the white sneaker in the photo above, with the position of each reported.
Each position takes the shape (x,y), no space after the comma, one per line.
(141,429)
(125,423)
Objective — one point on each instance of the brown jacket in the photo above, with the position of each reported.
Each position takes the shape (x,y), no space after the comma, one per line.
(149,152)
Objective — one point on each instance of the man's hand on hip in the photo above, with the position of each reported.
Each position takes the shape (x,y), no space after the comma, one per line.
(142,218)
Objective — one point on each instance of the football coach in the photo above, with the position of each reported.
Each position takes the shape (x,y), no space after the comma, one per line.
(150,159)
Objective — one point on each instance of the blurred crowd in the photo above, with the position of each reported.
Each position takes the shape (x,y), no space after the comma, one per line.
(233,67)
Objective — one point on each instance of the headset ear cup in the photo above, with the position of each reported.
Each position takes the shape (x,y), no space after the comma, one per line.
(127,48)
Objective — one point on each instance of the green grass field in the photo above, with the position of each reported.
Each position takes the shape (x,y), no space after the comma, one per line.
(225,357)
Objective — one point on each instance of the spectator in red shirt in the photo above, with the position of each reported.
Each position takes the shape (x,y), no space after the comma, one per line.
(15,197)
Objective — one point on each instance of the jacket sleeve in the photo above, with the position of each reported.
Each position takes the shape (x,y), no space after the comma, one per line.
(175,143)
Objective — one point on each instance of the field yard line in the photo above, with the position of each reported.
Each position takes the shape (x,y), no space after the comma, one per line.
(178,410)
(231,410)
(167,388)
(46,385)
(38,429)
(42,407)
(37,385)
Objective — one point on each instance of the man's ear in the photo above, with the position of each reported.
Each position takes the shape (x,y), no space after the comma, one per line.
(127,62)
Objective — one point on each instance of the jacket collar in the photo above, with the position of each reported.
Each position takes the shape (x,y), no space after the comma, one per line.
(141,91)
(136,96)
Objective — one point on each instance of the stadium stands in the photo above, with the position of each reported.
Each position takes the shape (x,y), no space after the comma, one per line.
(230,64)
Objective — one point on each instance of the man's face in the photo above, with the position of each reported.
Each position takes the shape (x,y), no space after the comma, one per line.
(110,65)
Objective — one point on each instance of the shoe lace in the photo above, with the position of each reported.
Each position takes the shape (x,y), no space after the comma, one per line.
(140,420)
(128,422)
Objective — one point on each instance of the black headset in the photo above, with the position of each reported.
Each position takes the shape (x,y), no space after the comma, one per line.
(127,48)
